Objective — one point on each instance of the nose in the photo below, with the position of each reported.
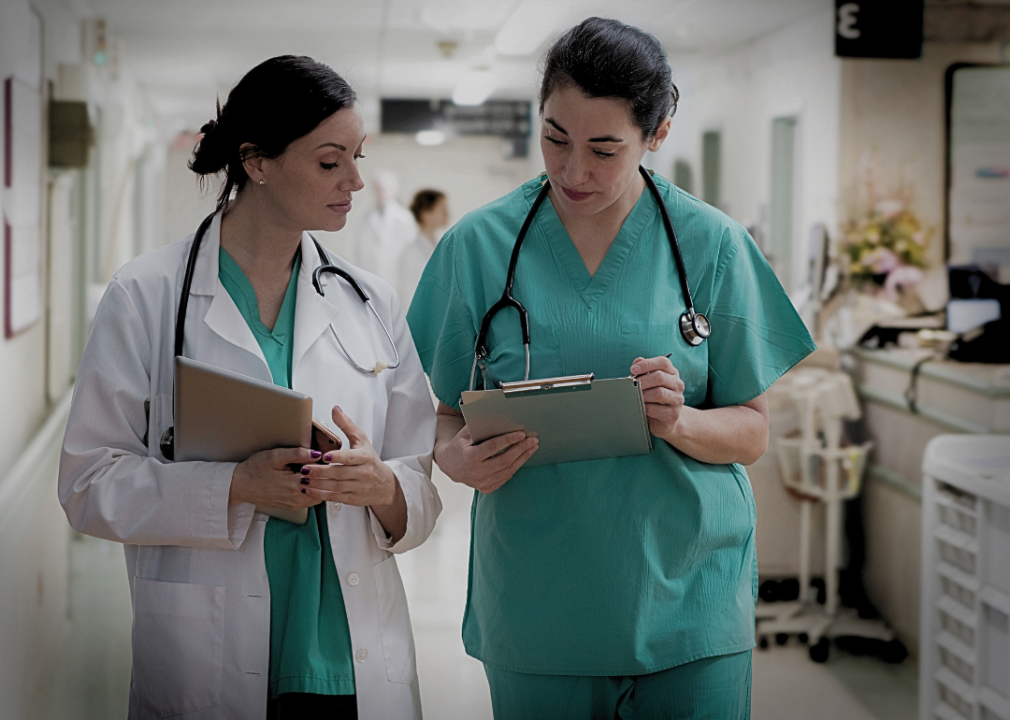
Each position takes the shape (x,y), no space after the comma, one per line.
(353,181)
(576,170)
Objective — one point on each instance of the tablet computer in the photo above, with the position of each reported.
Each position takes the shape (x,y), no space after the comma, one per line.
(221,416)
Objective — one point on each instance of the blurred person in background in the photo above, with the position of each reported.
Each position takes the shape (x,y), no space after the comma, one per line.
(238,614)
(430,209)
(385,231)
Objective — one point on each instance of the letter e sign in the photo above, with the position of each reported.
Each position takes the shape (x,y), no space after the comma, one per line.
(879,28)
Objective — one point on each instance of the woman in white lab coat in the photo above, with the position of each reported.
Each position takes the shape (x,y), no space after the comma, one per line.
(237,615)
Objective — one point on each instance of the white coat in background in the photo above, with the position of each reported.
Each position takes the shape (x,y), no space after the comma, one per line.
(382,237)
(201,597)
(412,263)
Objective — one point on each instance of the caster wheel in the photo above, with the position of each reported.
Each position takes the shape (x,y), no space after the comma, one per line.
(789,589)
(819,652)
(781,639)
(769,591)
(803,638)
(763,642)
(822,590)
(893,651)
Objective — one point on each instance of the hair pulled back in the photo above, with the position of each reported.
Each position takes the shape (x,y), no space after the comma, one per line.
(608,59)
(274,104)
(424,200)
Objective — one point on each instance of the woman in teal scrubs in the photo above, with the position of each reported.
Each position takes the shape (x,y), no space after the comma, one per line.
(621,587)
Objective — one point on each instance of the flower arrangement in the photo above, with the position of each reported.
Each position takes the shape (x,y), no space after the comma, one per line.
(887,246)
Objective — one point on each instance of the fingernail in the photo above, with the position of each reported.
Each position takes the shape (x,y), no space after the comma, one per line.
(339,409)
(305,481)
(303,491)
(327,457)
(316,454)
(305,471)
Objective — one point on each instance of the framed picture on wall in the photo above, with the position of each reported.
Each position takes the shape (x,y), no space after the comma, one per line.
(23,187)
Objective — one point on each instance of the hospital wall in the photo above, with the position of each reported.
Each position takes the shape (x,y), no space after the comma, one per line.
(790,73)
(88,229)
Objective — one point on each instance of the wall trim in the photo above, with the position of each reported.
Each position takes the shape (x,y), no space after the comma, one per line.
(894,481)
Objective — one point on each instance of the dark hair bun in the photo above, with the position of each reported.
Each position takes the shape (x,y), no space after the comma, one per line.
(274,104)
(606,58)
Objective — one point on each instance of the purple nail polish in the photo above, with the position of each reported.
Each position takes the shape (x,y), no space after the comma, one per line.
(303,491)
(305,471)
(328,457)
(305,481)
(316,454)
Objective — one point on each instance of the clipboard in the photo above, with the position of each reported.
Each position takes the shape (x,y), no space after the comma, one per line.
(576,418)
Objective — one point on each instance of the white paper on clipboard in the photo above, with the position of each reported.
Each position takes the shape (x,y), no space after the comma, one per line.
(575,418)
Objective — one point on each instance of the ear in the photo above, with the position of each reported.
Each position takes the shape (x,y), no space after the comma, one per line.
(662,132)
(253,163)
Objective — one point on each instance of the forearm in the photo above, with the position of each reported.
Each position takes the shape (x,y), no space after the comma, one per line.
(393,515)
(736,434)
(450,422)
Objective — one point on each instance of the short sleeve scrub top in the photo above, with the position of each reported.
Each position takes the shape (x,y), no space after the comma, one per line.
(624,566)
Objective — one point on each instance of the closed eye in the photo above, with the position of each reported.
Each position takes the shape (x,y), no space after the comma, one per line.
(327,166)
(555,142)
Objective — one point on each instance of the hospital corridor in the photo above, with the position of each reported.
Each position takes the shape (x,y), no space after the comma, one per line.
(505,361)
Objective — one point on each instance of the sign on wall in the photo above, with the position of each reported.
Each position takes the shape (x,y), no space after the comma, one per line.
(22,188)
(879,28)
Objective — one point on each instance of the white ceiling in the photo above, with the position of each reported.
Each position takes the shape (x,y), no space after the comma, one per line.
(184,52)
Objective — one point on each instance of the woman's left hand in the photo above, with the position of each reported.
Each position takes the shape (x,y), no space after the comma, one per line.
(352,476)
(663,392)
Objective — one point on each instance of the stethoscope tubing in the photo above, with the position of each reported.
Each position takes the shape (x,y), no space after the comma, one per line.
(325,266)
(694,327)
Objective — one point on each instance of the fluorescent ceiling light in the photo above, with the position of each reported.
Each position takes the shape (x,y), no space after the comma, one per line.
(430,138)
(530,25)
(474,87)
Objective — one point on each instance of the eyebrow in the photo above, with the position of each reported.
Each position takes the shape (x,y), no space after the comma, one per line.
(338,145)
(604,138)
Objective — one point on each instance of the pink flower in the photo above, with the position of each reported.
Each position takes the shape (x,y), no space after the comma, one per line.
(886,261)
(902,276)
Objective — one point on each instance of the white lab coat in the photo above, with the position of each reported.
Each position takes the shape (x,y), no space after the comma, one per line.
(201,598)
(381,239)
(413,260)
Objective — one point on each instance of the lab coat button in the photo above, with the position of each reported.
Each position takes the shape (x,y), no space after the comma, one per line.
(353,579)
(361,655)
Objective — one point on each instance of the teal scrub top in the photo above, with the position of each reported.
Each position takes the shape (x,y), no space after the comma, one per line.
(628,565)
(310,641)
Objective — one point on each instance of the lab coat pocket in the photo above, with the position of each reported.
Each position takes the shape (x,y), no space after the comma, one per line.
(178,643)
(397,639)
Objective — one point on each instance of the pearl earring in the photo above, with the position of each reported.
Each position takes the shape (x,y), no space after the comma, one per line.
(263,182)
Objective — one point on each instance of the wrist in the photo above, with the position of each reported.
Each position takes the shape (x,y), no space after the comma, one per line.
(681,430)
(235,494)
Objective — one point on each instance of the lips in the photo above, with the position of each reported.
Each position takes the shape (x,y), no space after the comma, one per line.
(575,195)
(340,207)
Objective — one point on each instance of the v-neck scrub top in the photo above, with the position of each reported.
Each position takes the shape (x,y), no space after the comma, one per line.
(620,566)
(310,641)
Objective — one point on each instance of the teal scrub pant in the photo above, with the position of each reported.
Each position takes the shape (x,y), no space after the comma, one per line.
(716,688)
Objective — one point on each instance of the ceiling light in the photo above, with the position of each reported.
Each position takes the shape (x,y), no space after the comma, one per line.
(530,25)
(474,87)
(430,138)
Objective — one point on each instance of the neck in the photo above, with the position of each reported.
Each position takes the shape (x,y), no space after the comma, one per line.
(593,235)
(428,232)
(257,239)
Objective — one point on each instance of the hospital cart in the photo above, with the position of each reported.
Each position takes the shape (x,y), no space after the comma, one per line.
(964,666)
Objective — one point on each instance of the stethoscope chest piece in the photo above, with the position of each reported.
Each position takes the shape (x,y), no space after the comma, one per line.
(695,328)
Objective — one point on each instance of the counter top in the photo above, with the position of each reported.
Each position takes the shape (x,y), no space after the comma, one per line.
(990,380)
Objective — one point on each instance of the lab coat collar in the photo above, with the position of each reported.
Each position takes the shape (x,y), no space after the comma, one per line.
(223,317)
(314,314)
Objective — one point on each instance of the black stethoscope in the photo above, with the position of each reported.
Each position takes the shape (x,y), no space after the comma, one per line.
(694,327)
(167,442)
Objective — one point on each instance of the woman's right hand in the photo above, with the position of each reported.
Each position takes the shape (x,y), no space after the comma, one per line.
(267,479)
(483,467)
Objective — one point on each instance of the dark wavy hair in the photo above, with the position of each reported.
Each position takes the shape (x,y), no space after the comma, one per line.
(274,104)
(608,59)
